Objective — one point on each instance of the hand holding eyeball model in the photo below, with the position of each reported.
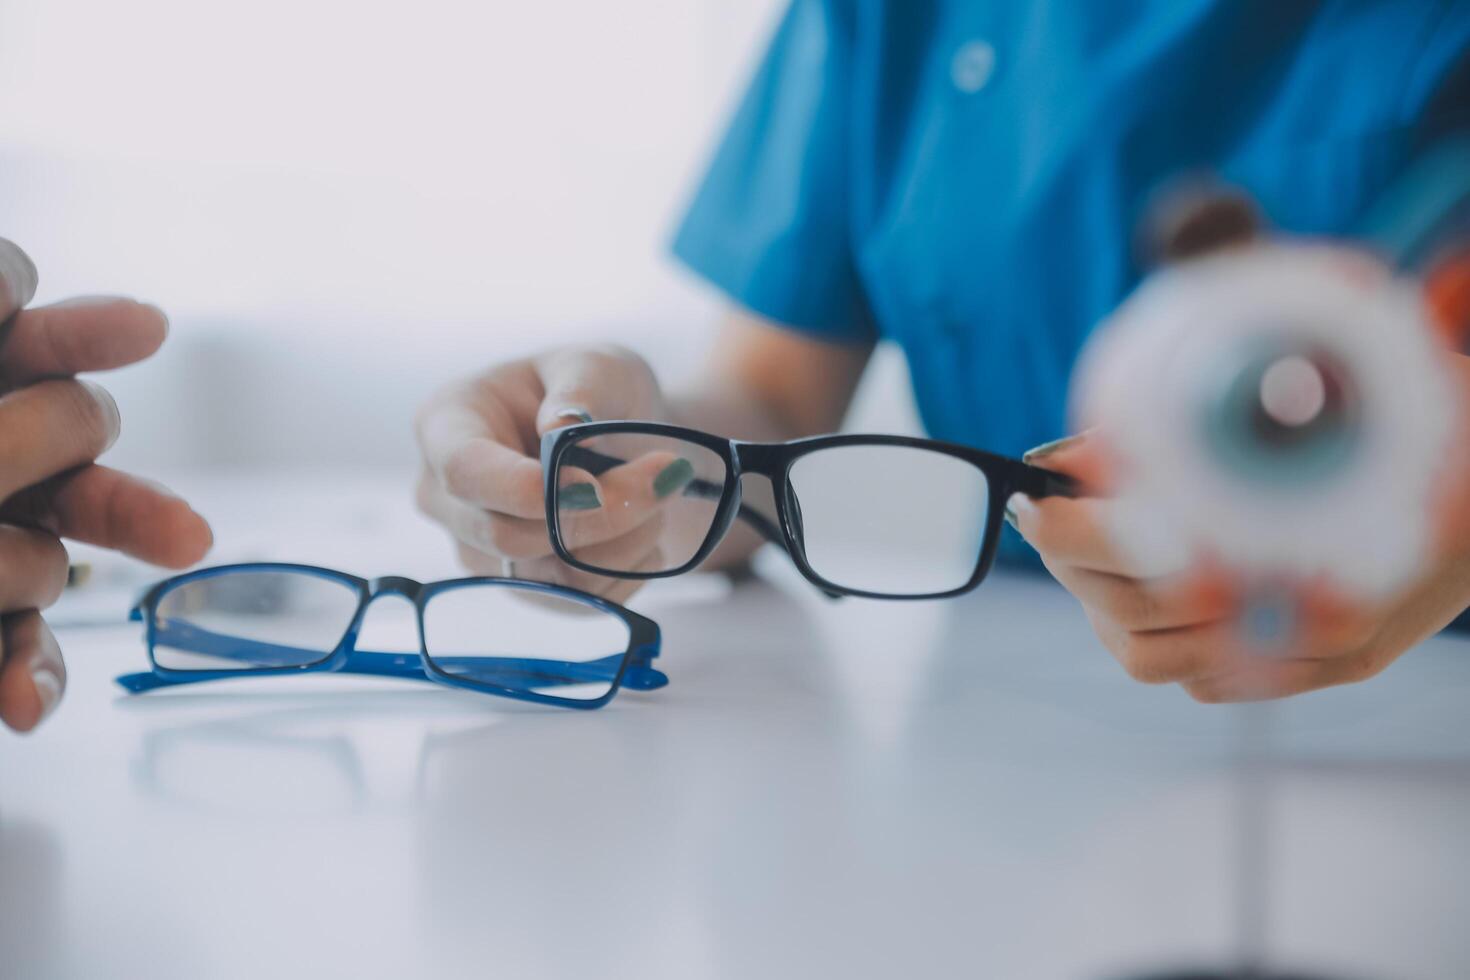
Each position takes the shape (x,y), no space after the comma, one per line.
(1274,441)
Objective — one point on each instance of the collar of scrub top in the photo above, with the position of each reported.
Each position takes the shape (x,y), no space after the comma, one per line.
(639,673)
(1425,210)
(1421,226)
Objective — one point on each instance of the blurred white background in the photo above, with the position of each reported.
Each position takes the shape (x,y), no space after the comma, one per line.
(343,203)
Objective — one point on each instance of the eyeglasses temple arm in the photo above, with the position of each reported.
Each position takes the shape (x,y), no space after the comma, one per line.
(1038,482)
(640,675)
(541,673)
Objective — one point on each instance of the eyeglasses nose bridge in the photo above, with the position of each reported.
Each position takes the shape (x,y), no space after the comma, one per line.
(394,585)
(405,588)
(754,457)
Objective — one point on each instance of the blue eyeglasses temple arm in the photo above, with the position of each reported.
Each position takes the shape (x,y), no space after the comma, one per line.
(277,659)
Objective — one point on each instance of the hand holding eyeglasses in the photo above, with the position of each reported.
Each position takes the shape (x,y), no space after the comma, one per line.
(1183,629)
(859,515)
(482,475)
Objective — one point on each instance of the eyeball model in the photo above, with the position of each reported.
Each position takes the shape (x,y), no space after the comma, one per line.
(1283,410)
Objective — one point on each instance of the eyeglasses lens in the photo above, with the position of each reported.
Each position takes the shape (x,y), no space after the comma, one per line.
(893,520)
(521,639)
(251,620)
(629,502)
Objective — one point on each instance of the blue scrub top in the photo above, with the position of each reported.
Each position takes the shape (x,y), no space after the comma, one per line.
(964,178)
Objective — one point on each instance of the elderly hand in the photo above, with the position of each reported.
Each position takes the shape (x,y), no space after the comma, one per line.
(52,428)
(1185,630)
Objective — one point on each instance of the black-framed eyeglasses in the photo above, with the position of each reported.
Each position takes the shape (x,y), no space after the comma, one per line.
(880,516)
(517,639)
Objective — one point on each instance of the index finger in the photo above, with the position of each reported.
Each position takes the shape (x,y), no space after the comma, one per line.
(85,334)
(462,452)
(18,279)
(1101,534)
(101,506)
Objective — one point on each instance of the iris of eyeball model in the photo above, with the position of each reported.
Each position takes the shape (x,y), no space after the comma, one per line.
(1276,409)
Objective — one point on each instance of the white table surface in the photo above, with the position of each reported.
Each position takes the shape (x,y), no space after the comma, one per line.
(853,789)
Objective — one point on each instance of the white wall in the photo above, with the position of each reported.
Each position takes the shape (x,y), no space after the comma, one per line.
(342,203)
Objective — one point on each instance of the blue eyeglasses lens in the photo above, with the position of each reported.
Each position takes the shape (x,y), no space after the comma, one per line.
(251,619)
(521,639)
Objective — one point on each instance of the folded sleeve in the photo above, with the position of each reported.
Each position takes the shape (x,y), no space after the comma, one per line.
(769,225)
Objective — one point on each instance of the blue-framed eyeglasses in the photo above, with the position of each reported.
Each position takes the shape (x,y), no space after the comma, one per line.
(517,639)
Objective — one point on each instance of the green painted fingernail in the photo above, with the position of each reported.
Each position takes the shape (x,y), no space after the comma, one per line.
(673,478)
(580,496)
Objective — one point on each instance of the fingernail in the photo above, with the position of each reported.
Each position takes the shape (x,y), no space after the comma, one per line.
(673,478)
(93,299)
(162,315)
(1048,448)
(573,413)
(579,496)
(109,408)
(18,278)
(48,687)
(1017,505)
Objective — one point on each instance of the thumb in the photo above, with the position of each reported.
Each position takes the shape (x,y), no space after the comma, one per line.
(1083,456)
(17,279)
(587,385)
